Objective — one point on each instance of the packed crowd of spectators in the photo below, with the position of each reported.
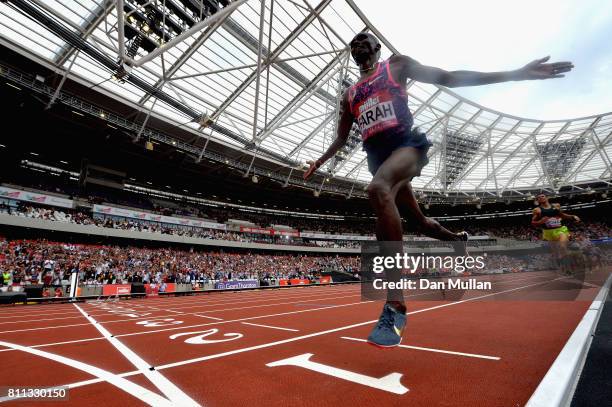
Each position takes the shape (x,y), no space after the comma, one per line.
(52,263)
(513,231)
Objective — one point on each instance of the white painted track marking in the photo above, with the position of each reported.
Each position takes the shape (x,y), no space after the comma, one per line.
(298,338)
(182,301)
(209,317)
(199,339)
(170,390)
(390,383)
(132,388)
(172,315)
(190,326)
(270,326)
(471,355)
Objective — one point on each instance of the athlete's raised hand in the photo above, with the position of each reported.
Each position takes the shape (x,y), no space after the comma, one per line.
(314,165)
(540,69)
(576,218)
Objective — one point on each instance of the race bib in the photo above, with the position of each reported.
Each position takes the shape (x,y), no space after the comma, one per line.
(376,115)
(553,223)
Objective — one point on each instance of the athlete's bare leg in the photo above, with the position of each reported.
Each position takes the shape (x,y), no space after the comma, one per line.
(562,252)
(401,165)
(408,204)
(382,191)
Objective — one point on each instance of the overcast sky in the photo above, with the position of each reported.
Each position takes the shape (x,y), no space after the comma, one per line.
(501,35)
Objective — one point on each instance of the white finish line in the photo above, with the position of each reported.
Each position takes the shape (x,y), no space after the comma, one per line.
(390,382)
(174,394)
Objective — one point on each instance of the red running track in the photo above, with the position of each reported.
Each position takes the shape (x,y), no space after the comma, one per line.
(227,349)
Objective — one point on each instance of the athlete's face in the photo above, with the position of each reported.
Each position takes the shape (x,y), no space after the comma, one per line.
(363,48)
(542,200)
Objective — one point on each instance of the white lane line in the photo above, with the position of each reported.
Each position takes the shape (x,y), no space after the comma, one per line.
(182,301)
(471,355)
(166,316)
(166,310)
(244,319)
(508,279)
(103,376)
(195,326)
(298,338)
(219,309)
(270,326)
(170,390)
(42,345)
(209,317)
(210,304)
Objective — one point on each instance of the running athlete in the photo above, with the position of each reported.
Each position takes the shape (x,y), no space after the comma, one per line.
(549,216)
(396,153)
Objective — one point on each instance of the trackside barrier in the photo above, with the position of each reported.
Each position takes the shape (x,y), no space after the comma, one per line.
(236,284)
(174,292)
(325,280)
(558,385)
(261,287)
(294,281)
(114,289)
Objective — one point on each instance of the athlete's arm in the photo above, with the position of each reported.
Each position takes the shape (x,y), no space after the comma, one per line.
(537,219)
(537,69)
(344,127)
(567,215)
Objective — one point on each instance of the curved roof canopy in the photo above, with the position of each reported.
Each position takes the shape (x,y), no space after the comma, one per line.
(268,82)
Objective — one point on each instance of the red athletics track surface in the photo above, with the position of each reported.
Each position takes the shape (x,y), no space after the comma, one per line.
(489,351)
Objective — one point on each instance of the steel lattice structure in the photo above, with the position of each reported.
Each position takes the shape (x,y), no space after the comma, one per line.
(263,76)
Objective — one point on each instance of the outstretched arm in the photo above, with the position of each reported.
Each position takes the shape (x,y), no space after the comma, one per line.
(344,127)
(538,69)
(568,216)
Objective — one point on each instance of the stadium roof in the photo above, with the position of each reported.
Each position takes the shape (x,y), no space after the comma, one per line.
(297,63)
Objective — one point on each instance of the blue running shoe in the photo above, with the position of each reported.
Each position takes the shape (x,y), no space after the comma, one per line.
(388,331)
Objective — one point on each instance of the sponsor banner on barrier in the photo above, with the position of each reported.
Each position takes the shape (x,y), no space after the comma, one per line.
(135,214)
(319,235)
(114,289)
(293,233)
(294,281)
(270,232)
(325,280)
(151,289)
(10,193)
(235,284)
(167,287)
(259,231)
(429,239)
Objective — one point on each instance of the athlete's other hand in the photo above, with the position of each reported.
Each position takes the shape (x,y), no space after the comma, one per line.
(314,165)
(576,218)
(539,69)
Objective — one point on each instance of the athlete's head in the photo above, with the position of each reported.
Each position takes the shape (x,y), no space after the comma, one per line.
(365,48)
(542,199)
